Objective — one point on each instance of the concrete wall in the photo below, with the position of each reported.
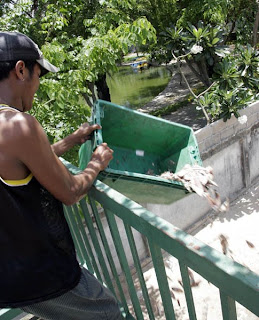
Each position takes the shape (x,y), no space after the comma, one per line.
(232,150)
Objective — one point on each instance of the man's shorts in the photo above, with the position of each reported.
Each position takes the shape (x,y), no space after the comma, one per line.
(89,300)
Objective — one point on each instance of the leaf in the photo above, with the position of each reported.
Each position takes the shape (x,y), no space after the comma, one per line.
(250,244)
(176,289)
(215,40)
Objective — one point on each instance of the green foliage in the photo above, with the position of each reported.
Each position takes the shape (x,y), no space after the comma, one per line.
(140,34)
(108,15)
(226,74)
(248,65)
(161,13)
(199,45)
(173,36)
(84,42)
(210,38)
(237,14)
(235,74)
(234,18)
(236,78)
(209,11)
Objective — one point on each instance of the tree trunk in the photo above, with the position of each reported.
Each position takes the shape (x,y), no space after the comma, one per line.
(255,29)
(102,88)
(35,6)
(204,72)
(196,73)
(228,37)
(87,100)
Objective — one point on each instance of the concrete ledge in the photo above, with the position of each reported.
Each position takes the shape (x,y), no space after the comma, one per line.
(215,137)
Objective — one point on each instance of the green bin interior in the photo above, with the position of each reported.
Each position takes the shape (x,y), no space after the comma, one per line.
(144,147)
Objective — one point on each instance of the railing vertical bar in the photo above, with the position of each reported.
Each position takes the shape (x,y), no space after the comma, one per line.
(139,270)
(96,245)
(82,255)
(124,263)
(228,307)
(188,291)
(86,241)
(159,266)
(109,255)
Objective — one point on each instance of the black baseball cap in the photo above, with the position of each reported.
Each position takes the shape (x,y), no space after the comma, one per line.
(17,46)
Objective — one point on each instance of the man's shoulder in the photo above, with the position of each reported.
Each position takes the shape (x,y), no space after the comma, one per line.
(17,125)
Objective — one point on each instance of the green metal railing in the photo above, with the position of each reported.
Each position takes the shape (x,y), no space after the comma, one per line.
(105,242)
(234,281)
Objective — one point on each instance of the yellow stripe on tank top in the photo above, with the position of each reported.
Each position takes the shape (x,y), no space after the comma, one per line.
(16,183)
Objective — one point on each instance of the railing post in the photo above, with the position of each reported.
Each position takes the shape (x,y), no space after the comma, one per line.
(187,291)
(139,270)
(228,307)
(159,266)
(81,253)
(108,255)
(124,263)
(87,246)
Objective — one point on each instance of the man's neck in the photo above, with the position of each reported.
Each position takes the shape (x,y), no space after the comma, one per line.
(8,96)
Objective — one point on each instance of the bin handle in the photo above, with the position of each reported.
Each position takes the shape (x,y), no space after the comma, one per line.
(97,134)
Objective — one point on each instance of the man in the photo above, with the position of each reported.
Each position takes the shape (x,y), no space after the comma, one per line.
(38,268)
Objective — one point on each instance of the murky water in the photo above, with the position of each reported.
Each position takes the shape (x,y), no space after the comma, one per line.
(134,88)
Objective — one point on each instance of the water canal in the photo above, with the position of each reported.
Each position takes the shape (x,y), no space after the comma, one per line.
(133,88)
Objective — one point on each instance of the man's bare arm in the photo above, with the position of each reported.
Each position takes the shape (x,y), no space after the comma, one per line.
(76,138)
(32,148)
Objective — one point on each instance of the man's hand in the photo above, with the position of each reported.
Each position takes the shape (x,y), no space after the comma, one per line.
(102,156)
(82,134)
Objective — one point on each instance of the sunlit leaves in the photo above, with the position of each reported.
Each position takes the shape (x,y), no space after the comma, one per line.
(226,74)
(139,32)
(234,89)
(54,19)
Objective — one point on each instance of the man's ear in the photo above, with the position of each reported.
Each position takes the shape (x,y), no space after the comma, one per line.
(20,70)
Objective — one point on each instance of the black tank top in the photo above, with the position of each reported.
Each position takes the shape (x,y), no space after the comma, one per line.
(37,254)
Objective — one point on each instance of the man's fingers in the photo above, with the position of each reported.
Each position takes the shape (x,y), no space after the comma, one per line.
(104,144)
(96,127)
(103,155)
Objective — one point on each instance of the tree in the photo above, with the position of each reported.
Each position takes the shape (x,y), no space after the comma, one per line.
(255,28)
(235,84)
(84,53)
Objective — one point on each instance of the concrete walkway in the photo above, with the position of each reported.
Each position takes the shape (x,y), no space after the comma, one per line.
(238,228)
(236,233)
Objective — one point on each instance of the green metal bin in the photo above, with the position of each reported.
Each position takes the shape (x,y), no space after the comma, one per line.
(144,147)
